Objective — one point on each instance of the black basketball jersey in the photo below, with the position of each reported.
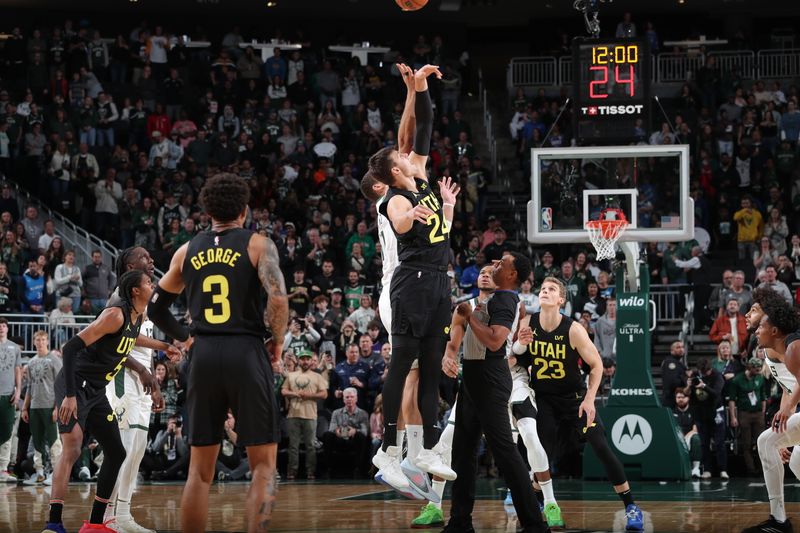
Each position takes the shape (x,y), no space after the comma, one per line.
(553,359)
(223,291)
(98,363)
(423,243)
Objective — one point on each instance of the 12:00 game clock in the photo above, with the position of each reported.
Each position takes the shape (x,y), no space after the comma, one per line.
(611,80)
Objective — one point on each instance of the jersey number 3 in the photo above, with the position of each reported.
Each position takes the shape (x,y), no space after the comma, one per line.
(440,228)
(550,369)
(217,285)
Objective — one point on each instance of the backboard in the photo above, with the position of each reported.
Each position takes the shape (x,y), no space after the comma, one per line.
(650,184)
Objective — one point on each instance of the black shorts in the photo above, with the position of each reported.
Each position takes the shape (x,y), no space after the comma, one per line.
(524,409)
(558,417)
(231,372)
(93,406)
(420,300)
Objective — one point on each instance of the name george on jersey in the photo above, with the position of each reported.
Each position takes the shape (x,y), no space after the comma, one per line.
(215,255)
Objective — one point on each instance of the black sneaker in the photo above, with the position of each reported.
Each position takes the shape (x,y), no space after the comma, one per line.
(450,528)
(771,526)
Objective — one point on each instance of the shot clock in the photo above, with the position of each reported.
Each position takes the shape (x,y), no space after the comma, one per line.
(612,90)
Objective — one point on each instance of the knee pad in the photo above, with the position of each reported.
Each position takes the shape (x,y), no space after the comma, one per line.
(536,454)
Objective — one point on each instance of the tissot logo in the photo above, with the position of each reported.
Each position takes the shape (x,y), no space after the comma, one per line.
(631,301)
(632,434)
(594,110)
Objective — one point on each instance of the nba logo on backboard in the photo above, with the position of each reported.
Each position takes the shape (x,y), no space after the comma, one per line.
(547,218)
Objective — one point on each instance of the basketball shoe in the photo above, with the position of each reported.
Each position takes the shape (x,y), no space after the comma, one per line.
(771,526)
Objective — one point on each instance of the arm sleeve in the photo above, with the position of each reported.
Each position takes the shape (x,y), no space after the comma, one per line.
(70,353)
(423,109)
(158,310)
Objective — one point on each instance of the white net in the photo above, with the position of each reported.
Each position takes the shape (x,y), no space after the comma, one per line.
(604,235)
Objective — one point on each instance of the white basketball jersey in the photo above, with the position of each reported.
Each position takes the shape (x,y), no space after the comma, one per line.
(785,379)
(388,247)
(144,355)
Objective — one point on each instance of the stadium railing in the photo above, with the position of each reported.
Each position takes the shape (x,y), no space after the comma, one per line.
(22,327)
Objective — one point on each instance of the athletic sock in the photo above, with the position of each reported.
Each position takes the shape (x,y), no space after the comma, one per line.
(626,497)
(438,488)
(414,436)
(695,464)
(401,436)
(56,507)
(110,512)
(123,509)
(547,491)
(777,509)
(98,510)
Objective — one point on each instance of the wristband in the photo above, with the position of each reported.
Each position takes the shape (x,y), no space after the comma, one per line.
(518,348)
(445,204)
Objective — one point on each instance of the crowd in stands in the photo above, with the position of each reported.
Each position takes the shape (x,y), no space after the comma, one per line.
(120,136)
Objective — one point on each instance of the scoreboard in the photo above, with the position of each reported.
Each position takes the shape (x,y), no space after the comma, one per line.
(611,80)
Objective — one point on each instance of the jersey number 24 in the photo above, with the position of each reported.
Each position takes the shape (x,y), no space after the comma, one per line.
(440,228)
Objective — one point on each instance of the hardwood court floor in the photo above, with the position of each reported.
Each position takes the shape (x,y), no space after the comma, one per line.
(708,507)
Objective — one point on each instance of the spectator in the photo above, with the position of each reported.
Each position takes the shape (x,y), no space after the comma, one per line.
(301,337)
(353,291)
(8,294)
(33,291)
(576,290)
(61,318)
(705,392)
(299,292)
(347,435)
(352,372)
(777,231)
(605,331)
(545,269)
(68,280)
(494,250)
(365,314)
(34,227)
(724,363)
(736,291)
(771,281)
(169,453)
(626,29)
(367,242)
(108,193)
(747,405)
(303,389)
(231,465)
(47,237)
(528,298)
(673,374)
(171,391)
(98,281)
(40,409)
(685,420)
(715,301)
(276,66)
(731,327)
(765,256)
(750,227)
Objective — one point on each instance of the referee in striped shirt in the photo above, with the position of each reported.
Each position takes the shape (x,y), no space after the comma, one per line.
(482,405)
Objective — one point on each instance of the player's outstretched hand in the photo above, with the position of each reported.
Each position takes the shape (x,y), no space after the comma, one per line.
(174,354)
(525,336)
(427,70)
(420,213)
(69,410)
(158,400)
(785,455)
(449,190)
(780,419)
(464,310)
(149,382)
(587,406)
(407,74)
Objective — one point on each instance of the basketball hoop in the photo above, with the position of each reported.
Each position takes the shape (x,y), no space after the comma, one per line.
(605,233)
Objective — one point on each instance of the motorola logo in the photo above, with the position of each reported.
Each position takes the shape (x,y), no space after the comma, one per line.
(631,434)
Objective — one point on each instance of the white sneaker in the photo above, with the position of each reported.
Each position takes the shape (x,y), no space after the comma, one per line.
(112,524)
(128,525)
(696,472)
(35,479)
(388,465)
(6,477)
(432,463)
(706,475)
(84,474)
(48,480)
(724,475)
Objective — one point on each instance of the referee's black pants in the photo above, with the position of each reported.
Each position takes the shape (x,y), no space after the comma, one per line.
(483,408)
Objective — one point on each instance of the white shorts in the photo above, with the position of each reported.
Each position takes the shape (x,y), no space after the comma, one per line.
(385,309)
(129,402)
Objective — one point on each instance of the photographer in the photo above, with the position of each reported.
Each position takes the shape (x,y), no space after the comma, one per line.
(301,337)
(168,457)
(705,393)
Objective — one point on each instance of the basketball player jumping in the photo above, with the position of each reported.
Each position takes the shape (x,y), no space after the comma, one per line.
(91,359)
(221,270)
(132,405)
(556,344)
(420,288)
(778,334)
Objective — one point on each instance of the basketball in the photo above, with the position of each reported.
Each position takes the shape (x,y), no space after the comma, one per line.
(411,5)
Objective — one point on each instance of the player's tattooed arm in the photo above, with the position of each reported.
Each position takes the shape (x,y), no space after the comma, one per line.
(276,315)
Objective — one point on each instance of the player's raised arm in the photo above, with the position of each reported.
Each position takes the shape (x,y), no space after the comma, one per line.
(408,122)
(402,214)
(423,111)
(165,294)
(276,314)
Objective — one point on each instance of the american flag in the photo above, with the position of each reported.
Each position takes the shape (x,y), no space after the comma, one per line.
(670,222)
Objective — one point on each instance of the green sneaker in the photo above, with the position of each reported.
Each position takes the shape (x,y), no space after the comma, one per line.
(431,516)
(553,515)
